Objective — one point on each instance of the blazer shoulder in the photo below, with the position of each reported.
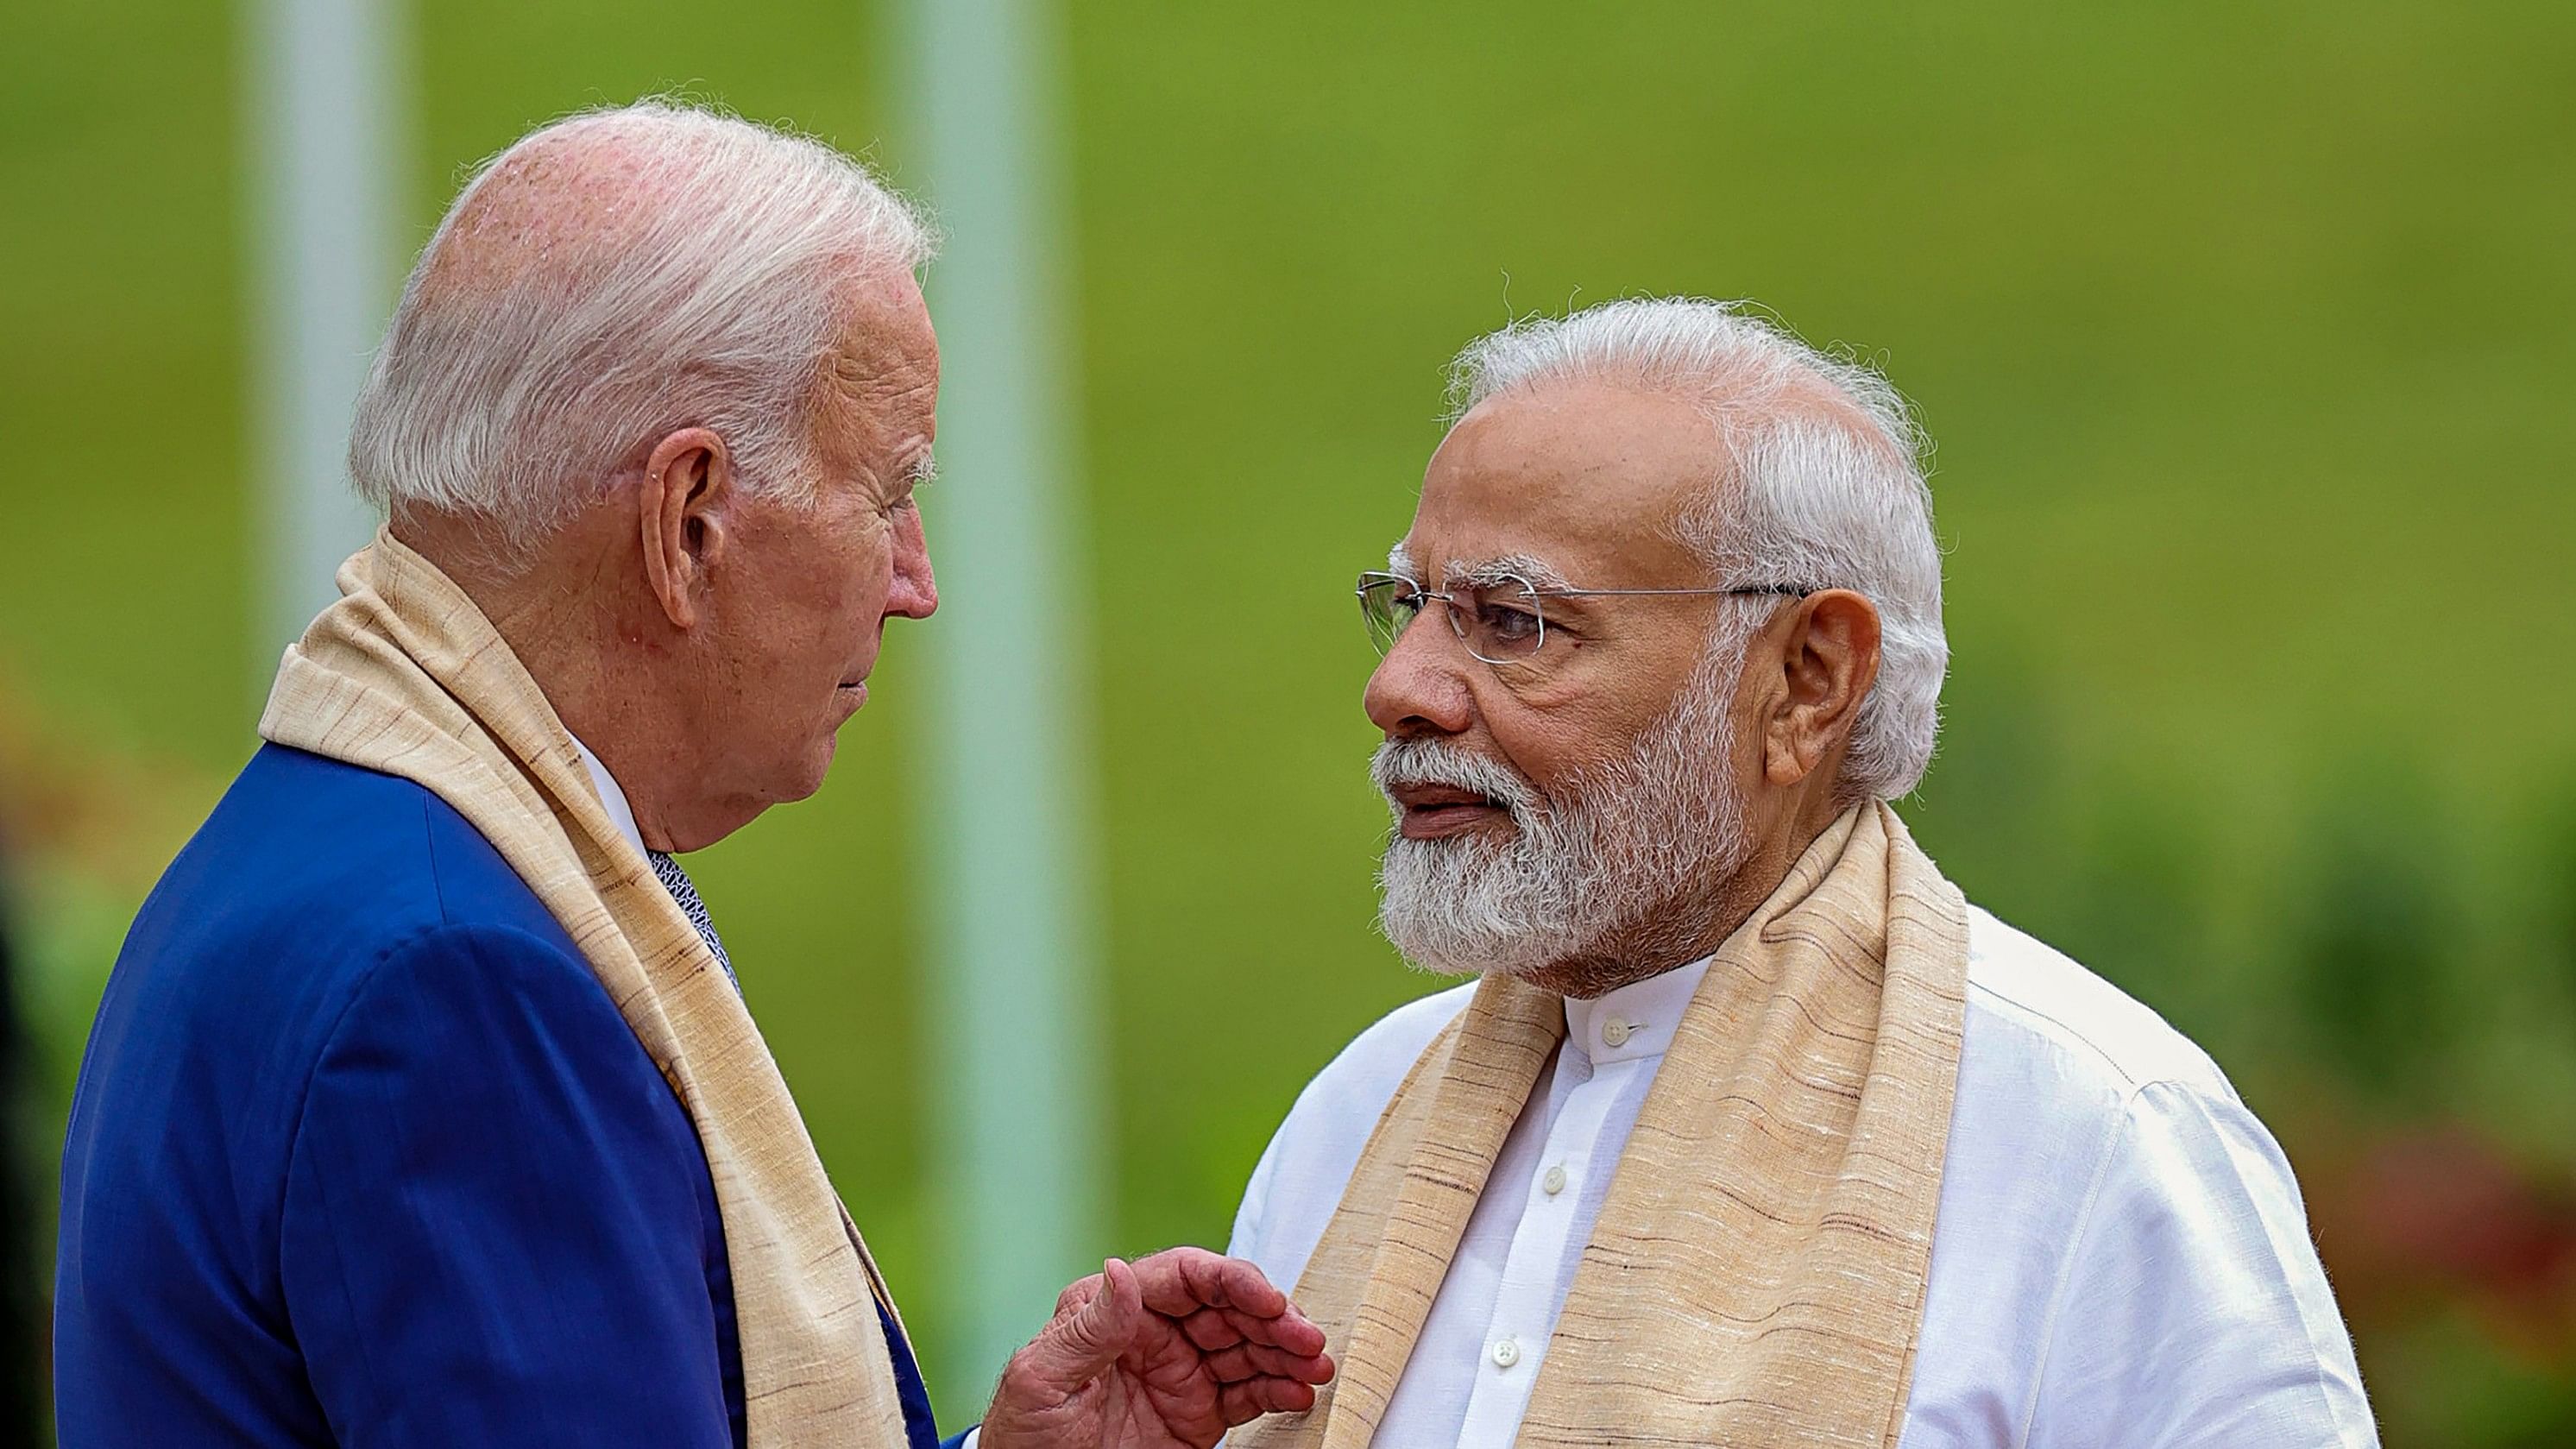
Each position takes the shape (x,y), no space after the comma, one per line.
(317,838)
(307,874)
(309,879)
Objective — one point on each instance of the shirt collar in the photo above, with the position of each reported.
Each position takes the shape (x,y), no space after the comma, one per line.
(619,813)
(1635,1022)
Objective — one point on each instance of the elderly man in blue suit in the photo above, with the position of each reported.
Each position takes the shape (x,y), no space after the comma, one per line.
(422,1107)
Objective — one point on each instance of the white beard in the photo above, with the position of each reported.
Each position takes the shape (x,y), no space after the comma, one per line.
(1615,846)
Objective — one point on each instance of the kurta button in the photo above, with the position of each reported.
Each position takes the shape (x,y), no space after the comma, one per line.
(1553,1181)
(1507,1351)
(1614,1032)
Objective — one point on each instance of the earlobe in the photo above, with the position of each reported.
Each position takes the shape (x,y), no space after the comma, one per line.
(1785,759)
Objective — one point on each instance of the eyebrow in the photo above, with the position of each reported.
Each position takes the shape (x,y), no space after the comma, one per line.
(925,469)
(1538,572)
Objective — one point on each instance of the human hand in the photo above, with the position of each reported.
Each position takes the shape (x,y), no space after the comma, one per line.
(1170,1352)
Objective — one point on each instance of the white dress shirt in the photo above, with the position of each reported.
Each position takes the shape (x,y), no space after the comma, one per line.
(2120,1255)
(620,814)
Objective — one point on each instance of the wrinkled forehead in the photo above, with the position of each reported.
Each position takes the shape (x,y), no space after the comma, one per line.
(883,374)
(1573,484)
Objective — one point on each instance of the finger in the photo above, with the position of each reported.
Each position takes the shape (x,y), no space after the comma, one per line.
(1297,1333)
(1249,1400)
(1223,1282)
(1075,1294)
(1188,1283)
(1074,1349)
(1245,1286)
(1210,1329)
(1291,1330)
(1253,1360)
(1177,1280)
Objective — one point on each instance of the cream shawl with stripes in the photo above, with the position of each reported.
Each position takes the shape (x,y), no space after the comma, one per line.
(406,676)
(1756,1276)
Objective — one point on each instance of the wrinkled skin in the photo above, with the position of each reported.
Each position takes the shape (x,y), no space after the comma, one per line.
(1170,1352)
(1590,477)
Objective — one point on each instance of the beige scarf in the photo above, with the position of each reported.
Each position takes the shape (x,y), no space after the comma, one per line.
(1756,1276)
(404,675)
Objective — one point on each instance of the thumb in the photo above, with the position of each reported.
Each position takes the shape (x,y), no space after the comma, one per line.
(1079,1346)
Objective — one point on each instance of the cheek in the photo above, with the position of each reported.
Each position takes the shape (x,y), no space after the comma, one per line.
(877,571)
(810,623)
(850,589)
(1565,728)
(863,604)
(1547,736)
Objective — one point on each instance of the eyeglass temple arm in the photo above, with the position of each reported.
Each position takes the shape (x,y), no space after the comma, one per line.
(1788,590)
(1793,591)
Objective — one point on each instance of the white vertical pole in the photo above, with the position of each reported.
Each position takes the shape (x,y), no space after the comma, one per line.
(325,126)
(1017,1102)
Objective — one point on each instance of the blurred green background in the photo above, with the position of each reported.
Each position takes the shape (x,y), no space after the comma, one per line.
(2246,332)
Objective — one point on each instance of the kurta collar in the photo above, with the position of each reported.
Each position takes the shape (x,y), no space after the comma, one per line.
(1636,1021)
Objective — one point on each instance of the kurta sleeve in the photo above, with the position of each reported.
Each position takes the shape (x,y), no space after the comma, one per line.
(2194,1311)
(1248,1241)
(493,1231)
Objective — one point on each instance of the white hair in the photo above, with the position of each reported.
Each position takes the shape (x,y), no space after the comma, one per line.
(1823,484)
(609,279)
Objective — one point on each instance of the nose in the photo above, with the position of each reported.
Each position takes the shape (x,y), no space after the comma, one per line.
(1420,687)
(914,594)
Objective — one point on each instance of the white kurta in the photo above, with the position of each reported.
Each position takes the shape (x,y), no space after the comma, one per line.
(2120,1255)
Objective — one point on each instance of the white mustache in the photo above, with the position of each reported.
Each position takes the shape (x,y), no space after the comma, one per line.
(1431,761)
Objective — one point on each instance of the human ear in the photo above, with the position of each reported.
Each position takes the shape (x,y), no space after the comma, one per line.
(1828,661)
(682,513)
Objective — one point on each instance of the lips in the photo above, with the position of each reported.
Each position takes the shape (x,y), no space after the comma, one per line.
(1432,812)
(1429,797)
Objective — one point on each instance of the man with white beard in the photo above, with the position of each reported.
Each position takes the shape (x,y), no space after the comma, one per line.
(1751,1131)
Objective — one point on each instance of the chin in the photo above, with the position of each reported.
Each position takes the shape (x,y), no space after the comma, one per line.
(814,767)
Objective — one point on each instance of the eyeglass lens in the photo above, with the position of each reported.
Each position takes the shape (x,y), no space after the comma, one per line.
(1387,605)
(1498,620)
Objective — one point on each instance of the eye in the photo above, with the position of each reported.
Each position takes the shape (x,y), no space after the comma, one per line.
(1507,623)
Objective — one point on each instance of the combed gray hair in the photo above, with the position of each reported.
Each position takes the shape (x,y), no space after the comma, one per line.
(683,269)
(1823,485)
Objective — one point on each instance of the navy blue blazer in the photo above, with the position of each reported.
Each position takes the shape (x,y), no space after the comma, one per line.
(362,1155)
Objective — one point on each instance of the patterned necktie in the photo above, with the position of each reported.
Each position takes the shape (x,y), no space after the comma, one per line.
(676,881)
